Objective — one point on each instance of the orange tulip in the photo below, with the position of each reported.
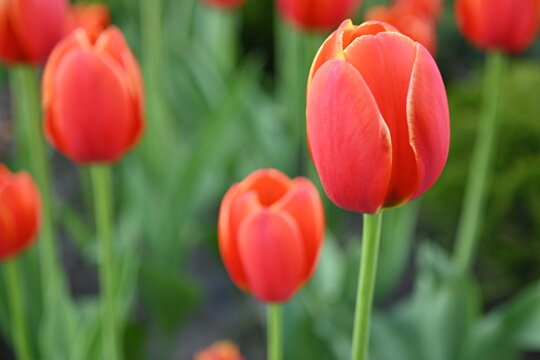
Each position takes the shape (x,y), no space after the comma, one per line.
(377,117)
(317,14)
(220,350)
(507,25)
(93,98)
(270,233)
(29,29)
(20,212)
(226,4)
(417,27)
(92,17)
(431,9)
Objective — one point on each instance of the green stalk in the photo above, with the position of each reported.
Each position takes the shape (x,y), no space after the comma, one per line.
(18,321)
(101,180)
(26,94)
(366,284)
(481,165)
(275,326)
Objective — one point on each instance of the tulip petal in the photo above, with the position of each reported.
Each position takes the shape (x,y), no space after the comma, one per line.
(348,139)
(304,205)
(429,120)
(388,76)
(10,49)
(268,184)
(271,251)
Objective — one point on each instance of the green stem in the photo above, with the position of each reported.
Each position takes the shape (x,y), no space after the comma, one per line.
(366,284)
(481,165)
(275,341)
(101,180)
(18,321)
(25,82)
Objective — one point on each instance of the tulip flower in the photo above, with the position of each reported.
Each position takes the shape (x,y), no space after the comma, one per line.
(418,27)
(220,350)
(431,9)
(377,117)
(93,97)
(226,4)
(317,14)
(29,29)
(20,212)
(506,25)
(270,233)
(92,17)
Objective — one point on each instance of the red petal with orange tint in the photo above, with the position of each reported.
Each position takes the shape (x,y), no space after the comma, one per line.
(429,120)
(272,254)
(348,139)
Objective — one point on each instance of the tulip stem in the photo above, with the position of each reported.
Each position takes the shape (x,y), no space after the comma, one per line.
(101,180)
(18,322)
(366,283)
(481,165)
(25,83)
(275,320)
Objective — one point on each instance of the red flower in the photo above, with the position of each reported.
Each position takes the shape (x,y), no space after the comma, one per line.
(418,27)
(431,9)
(317,14)
(20,212)
(377,117)
(226,4)
(93,98)
(507,25)
(29,29)
(220,350)
(271,229)
(92,17)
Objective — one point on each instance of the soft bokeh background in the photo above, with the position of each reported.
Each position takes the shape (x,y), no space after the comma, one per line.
(225,96)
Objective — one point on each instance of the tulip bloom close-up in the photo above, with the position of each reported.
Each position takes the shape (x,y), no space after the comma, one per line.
(29,29)
(93,98)
(20,212)
(92,17)
(377,117)
(318,14)
(506,25)
(271,230)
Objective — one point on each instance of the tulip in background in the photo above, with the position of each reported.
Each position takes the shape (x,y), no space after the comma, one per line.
(220,350)
(378,131)
(317,15)
(29,29)
(271,230)
(20,214)
(94,113)
(418,27)
(92,17)
(431,9)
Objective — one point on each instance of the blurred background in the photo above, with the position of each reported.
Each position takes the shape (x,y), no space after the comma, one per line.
(225,96)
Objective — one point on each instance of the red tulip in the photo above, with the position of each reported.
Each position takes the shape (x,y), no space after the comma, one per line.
(431,9)
(20,212)
(507,25)
(93,97)
(270,233)
(220,350)
(226,4)
(29,29)
(317,14)
(92,17)
(377,117)
(418,27)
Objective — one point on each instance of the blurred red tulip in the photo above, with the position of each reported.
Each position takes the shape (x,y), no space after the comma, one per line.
(418,27)
(29,29)
(377,117)
(20,212)
(271,230)
(92,17)
(93,97)
(226,4)
(220,350)
(507,25)
(431,9)
(317,14)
